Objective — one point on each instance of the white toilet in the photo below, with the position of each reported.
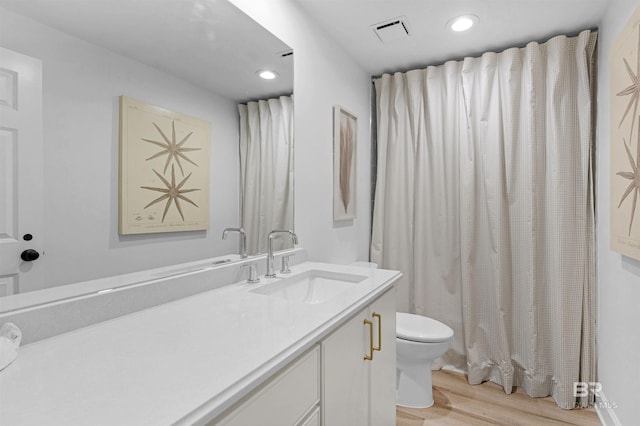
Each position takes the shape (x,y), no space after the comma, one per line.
(419,341)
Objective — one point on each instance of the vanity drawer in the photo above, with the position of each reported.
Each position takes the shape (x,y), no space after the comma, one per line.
(284,400)
(313,419)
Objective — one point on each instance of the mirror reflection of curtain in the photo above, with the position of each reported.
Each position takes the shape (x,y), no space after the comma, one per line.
(266,167)
(485,201)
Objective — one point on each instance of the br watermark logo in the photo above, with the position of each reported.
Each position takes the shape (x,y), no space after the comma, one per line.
(584,389)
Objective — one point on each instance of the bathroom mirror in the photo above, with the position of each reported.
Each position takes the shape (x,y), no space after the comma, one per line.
(92,52)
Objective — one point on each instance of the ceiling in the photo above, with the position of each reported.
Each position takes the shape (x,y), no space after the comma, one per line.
(216,46)
(210,43)
(502,24)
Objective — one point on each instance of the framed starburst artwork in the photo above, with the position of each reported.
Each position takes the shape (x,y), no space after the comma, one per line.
(164,170)
(625,140)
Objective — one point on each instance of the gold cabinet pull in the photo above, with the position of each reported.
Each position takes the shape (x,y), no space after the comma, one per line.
(370,356)
(377,315)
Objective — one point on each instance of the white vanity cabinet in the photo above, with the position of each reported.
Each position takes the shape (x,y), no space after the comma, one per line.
(292,397)
(305,368)
(357,390)
(346,379)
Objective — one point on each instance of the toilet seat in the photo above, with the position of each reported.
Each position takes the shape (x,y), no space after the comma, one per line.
(417,328)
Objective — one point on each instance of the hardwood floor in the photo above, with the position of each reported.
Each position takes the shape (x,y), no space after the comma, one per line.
(458,403)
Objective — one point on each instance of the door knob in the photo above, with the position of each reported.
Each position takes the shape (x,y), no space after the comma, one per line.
(29,255)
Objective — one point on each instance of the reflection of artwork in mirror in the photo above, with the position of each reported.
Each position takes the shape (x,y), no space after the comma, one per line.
(164,56)
(625,140)
(164,170)
(266,170)
(344,163)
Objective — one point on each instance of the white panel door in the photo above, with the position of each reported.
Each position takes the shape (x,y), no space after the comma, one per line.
(21,170)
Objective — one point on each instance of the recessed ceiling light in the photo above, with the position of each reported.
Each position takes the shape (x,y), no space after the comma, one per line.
(462,23)
(267,75)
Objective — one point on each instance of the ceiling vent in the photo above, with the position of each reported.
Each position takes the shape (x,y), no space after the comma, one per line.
(392,29)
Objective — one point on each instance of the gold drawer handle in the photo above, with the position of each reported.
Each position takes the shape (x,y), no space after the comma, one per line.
(377,315)
(370,356)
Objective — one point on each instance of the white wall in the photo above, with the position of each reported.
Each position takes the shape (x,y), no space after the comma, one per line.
(324,76)
(618,276)
(82,84)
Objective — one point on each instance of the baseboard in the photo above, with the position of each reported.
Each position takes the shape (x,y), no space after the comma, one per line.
(606,411)
(452,368)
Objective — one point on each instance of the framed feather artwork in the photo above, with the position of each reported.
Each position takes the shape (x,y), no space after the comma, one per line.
(345,125)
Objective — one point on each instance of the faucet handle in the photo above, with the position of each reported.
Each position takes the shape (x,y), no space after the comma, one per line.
(284,269)
(253,273)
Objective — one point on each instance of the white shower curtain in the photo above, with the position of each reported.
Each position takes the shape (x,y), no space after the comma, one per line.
(484,200)
(266,168)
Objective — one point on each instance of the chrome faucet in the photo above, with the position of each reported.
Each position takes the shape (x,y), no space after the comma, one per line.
(243,240)
(270,269)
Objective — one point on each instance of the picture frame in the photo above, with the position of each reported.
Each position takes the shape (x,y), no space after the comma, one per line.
(345,138)
(625,140)
(163,170)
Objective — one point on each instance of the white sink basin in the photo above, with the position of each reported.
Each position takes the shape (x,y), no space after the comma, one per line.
(311,287)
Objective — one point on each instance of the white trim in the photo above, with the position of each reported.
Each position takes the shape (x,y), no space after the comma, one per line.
(606,411)
(452,368)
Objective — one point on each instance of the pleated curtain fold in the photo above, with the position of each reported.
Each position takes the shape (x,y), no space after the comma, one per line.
(266,170)
(484,200)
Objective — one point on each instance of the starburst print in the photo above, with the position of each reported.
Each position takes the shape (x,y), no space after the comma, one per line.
(172,149)
(634,177)
(633,89)
(172,193)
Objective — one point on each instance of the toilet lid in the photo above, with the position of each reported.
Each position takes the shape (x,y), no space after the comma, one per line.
(421,329)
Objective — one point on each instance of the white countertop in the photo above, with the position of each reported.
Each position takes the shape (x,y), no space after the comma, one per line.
(183,362)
